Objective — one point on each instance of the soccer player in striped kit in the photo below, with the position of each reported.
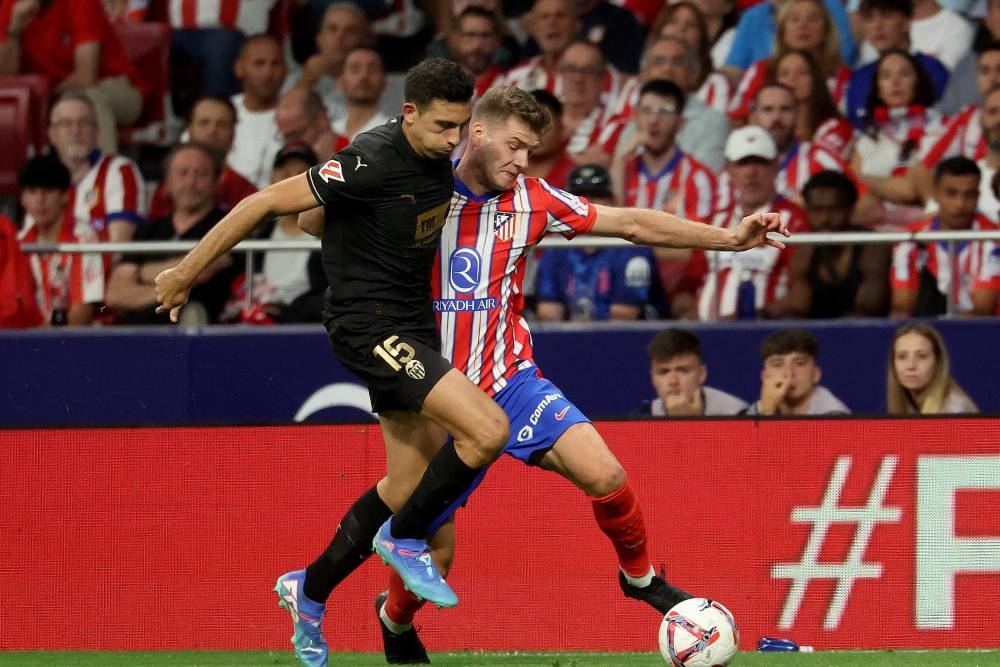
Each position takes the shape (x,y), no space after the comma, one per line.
(496,219)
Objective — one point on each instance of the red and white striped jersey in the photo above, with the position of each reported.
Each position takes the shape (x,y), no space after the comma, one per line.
(963,135)
(477,281)
(622,107)
(715,92)
(978,263)
(248,16)
(493,76)
(531,75)
(837,136)
(804,159)
(684,187)
(755,76)
(73,277)
(113,190)
(766,267)
(591,130)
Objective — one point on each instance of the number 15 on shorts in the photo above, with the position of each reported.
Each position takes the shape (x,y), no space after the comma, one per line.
(398,355)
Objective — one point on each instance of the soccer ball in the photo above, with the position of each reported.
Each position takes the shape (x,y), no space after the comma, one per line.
(698,633)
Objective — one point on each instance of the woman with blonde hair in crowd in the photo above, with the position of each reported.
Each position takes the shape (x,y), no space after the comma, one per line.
(805,25)
(919,375)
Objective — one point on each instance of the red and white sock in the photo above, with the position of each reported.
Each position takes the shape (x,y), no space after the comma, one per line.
(400,607)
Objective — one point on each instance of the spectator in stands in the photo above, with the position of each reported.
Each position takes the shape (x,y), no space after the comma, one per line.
(658,174)
(589,284)
(969,134)
(132,11)
(72,44)
(922,273)
(68,286)
(18,308)
(362,83)
(919,377)
(301,119)
(979,70)
(549,160)
(829,281)
(615,31)
(212,123)
(886,26)
(584,115)
(343,28)
(898,116)
(817,119)
(261,70)
(474,42)
(191,172)
(789,380)
(678,373)
(939,32)
(553,24)
(804,25)
(289,286)
(704,130)
(207,38)
(726,284)
(683,20)
(108,190)
(721,17)
(755,34)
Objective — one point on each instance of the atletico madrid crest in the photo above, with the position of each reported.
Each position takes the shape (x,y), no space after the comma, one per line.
(503,225)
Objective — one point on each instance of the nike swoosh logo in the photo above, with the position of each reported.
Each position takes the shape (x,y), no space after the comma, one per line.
(561,414)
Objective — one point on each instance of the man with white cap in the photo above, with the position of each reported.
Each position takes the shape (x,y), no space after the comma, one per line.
(744,285)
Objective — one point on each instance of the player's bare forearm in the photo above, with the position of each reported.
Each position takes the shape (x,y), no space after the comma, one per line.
(289,196)
(664,230)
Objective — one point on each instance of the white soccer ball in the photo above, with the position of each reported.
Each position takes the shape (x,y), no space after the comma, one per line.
(698,633)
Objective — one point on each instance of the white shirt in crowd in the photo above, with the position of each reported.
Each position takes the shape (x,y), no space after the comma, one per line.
(946,36)
(256,143)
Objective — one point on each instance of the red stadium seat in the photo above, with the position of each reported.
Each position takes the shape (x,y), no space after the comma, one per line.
(38,89)
(148,47)
(15,135)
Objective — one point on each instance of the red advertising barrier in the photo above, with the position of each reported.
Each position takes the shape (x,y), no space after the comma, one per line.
(839,534)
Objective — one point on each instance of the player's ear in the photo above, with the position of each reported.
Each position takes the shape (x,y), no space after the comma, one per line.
(410,111)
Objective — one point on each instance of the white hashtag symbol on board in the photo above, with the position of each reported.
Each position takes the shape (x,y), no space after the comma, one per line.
(852,568)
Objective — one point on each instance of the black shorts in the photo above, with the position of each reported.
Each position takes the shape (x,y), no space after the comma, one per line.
(400,367)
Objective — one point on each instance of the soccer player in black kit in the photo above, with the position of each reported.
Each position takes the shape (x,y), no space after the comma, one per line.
(385,197)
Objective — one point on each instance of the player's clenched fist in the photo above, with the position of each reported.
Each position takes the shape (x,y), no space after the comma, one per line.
(171,292)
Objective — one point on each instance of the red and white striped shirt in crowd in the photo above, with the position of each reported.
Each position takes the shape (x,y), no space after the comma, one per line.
(684,187)
(837,136)
(73,278)
(755,76)
(962,135)
(111,191)
(493,76)
(715,92)
(248,16)
(591,131)
(477,282)
(978,263)
(766,267)
(532,75)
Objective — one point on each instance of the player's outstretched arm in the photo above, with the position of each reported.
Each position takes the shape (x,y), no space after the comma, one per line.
(289,196)
(656,228)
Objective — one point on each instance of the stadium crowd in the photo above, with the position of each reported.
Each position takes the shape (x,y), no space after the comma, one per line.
(869,115)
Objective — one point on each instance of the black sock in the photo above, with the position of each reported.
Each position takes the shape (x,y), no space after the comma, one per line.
(446,478)
(351,546)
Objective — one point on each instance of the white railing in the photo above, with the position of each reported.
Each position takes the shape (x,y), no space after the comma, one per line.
(250,247)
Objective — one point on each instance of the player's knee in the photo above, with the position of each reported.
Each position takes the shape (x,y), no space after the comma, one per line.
(607,480)
(490,436)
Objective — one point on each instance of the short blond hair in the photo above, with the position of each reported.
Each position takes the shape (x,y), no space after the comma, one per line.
(504,102)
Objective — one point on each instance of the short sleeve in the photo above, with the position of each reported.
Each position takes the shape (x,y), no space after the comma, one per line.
(89,22)
(903,273)
(348,174)
(567,214)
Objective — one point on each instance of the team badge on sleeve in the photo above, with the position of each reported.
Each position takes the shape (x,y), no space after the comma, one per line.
(503,225)
(332,170)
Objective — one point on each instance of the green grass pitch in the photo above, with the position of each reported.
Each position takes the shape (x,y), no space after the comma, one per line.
(287,659)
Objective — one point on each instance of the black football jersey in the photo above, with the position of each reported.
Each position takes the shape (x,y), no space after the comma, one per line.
(385,207)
